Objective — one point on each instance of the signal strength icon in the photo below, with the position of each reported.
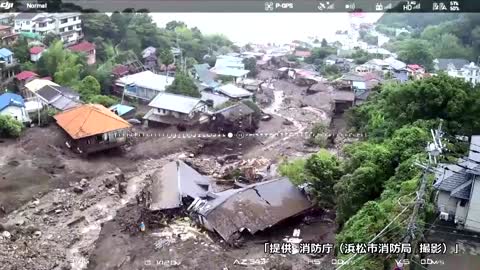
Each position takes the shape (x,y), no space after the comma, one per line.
(388,6)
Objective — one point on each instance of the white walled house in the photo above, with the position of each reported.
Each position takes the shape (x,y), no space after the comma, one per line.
(35,53)
(13,105)
(470,73)
(67,25)
(23,22)
(458,189)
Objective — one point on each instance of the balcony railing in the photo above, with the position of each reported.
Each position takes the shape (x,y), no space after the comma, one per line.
(4,65)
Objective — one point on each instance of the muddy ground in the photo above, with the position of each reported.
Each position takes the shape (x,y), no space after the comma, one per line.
(57,225)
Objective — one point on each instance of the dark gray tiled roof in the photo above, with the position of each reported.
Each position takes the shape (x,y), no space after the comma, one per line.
(174,181)
(25,16)
(255,207)
(462,191)
(457,179)
(448,178)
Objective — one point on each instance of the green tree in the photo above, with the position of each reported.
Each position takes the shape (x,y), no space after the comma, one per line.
(166,57)
(57,57)
(416,51)
(449,46)
(324,43)
(50,38)
(9,127)
(171,26)
(183,85)
(294,170)
(371,39)
(324,170)
(476,38)
(68,71)
(106,101)
(320,54)
(361,57)
(88,87)
(251,65)
(318,136)
(21,50)
(131,41)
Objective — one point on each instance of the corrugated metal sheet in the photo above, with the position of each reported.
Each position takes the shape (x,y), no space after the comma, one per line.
(174,181)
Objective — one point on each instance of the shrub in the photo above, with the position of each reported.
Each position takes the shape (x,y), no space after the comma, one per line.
(139,116)
(319,136)
(294,170)
(10,127)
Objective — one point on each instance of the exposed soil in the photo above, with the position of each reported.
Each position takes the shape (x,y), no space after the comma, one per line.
(74,227)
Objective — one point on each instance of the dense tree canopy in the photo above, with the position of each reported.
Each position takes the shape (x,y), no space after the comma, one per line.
(9,127)
(136,31)
(251,65)
(416,51)
(21,50)
(451,99)
(183,85)
(442,35)
(321,171)
(378,178)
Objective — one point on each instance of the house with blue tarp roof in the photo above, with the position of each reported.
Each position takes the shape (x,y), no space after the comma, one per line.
(7,64)
(124,111)
(14,106)
(6,55)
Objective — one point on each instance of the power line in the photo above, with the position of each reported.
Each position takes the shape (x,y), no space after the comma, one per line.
(434,149)
(376,236)
(364,255)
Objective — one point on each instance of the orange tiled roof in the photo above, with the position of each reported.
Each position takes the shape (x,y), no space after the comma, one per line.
(88,120)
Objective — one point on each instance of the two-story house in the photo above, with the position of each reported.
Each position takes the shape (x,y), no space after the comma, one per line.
(470,73)
(7,64)
(14,106)
(23,22)
(458,189)
(67,25)
(144,85)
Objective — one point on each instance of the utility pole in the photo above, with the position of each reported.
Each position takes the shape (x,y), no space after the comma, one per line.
(434,149)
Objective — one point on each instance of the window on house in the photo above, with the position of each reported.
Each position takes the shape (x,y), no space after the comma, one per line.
(70,28)
(463,203)
(63,20)
(42,24)
(27,23)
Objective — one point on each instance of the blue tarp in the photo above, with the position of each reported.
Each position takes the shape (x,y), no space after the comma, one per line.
(121,109)
(8,99)
(4,53)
